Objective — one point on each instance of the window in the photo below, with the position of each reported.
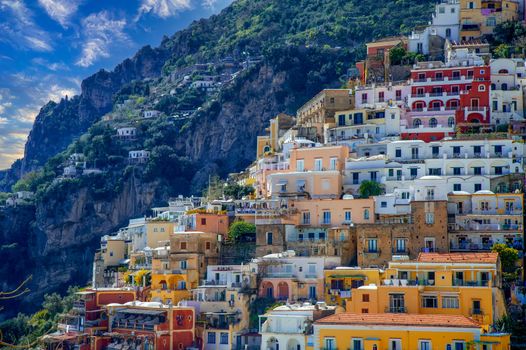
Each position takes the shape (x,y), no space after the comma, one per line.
(477,187)
(365,298)
(269,238)
(484,206)
(430,218)
(356,344)
(330,343)
(341,120)
(457,171)
(381,96)
(208,245)
(373,175)
(396,303)
(300,165)
(211,337)
(182,285)
(482,88)
(372,245)
(477,170)
(305,218)
(326,218)
(398,95)
(355,178)
(429,301)
(183,245)
(383,204)
(334,163)
(395,344)
(318,164)
(416,123)
(459,345)
(449,302)
(364,98)
(348,216)
(398,153)
(435,171)
(413,172)
(448,31)
(400,245)
(433,123)
(224,338)
(414,153)
(424,345)
(498,170)
(183,264)
(366,214)
(203,221)
(430,194)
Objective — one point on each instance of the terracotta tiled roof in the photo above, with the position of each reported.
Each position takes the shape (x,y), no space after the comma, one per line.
(400,320)
(482,257)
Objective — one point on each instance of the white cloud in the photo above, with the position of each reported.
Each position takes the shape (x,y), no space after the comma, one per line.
(163,8)
(53,66)
(209,3)
(18,28)
(60,10)
(99,31)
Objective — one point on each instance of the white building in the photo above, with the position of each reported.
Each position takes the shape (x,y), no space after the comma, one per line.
(480,220)
(139,156)
(127,133)
(290,326)
(381,96)
(151,114)
(507,90)
(445,24)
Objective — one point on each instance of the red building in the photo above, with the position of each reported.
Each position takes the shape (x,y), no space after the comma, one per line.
(148,325)
(443,96)
(86,318)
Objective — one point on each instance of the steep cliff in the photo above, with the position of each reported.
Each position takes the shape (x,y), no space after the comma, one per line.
(304,46)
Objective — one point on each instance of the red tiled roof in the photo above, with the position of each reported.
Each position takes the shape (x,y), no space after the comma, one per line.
(482,257)
(400,320)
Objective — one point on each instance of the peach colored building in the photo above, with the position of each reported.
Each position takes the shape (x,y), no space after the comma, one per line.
(318,158)
(305,184)
(211,222)
(339,212)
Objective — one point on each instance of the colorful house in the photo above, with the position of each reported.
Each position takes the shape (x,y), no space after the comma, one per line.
(403,331)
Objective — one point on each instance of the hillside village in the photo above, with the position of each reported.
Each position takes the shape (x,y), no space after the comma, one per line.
(381,216)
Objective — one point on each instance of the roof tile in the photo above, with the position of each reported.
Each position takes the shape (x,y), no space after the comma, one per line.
(400,320)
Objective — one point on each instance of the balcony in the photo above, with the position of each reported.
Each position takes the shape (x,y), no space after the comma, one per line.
(471,247)
(396,309)
(463,283)
(484,227)
(280,275)
(475,312)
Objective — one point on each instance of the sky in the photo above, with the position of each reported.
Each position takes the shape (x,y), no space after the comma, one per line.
(48,46)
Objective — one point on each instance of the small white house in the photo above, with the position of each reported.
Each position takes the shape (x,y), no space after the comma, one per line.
(139,156)
(151,114)
(70,171)
(127,133)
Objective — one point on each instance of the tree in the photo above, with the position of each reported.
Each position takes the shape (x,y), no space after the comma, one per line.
(396,55)
(240,229)
(236,191)
(369,188)
(508,257)
(502,51)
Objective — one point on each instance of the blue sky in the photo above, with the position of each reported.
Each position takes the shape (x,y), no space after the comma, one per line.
(48,46)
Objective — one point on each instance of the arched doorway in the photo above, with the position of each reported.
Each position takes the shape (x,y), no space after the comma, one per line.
(293,344)
(268,289)
(272,344)
(283,290)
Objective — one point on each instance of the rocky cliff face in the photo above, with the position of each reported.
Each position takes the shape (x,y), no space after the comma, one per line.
(55,241)
(58,124)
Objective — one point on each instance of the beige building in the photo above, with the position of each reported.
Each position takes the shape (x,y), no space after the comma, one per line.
(480,17)
(158,232)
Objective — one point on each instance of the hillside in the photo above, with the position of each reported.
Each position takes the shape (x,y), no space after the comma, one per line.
(299,47)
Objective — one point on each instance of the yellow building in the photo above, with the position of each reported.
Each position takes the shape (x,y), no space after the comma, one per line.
(403,331)
(168,285)
(158,232)
(277,127)
(340,282)
(113,251)
(465,284)
(480,17)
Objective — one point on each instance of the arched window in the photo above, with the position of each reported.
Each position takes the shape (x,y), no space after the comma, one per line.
(503,71)
(451,122)
(433,123)
(482,88)
(493,86)
(417,123)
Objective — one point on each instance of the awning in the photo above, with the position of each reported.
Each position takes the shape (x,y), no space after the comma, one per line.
(142,312)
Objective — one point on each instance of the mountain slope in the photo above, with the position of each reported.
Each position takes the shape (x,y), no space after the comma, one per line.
(304,46)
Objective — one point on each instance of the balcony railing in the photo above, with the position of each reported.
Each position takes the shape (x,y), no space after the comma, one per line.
(463,283)
(396,309)
(474,312)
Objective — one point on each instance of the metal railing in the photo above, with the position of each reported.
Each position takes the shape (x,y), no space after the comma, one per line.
(396,309)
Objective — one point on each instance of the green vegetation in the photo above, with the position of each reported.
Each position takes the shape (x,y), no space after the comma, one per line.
(236,191)
(369,188)
(24,329)
(508,259)
(241,229)
(260,306)
(508,38)
(400,56)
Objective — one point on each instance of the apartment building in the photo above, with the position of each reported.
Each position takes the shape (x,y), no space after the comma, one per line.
(478,221)
(404,331)
(480,17)
(507,78)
